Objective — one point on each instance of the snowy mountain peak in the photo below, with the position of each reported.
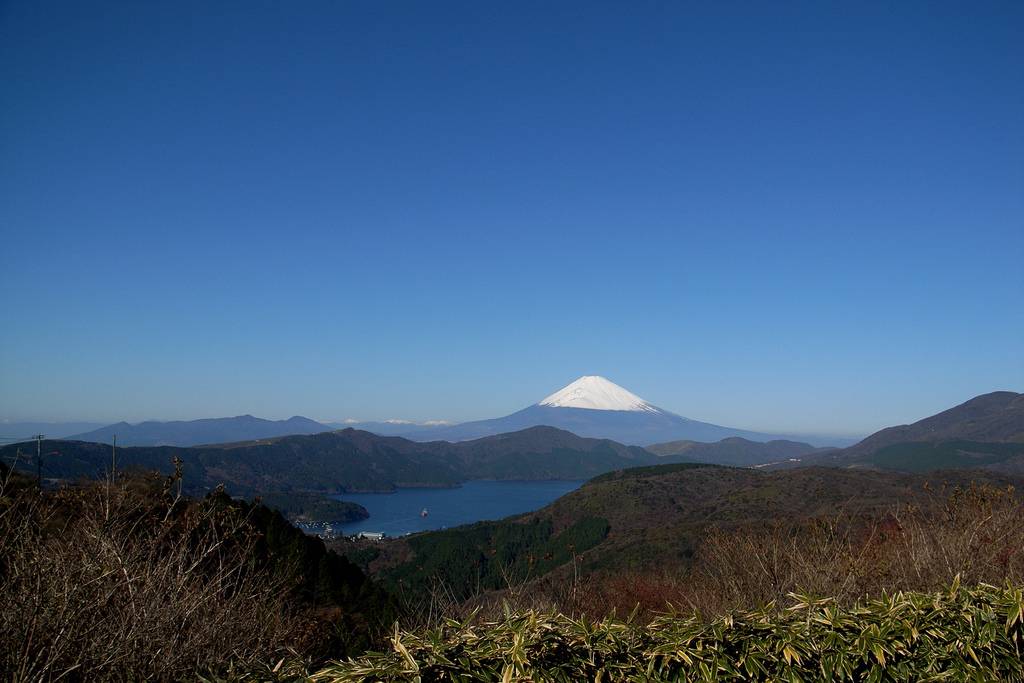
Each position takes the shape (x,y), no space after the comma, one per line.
(593,392)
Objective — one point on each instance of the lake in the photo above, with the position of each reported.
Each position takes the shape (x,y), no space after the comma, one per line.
(398,513)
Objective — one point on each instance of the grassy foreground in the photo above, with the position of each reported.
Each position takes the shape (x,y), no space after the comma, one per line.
(959,634)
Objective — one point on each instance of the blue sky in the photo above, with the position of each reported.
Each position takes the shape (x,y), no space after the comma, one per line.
(795,216)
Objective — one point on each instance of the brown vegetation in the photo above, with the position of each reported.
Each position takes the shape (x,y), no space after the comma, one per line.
(976,533)
(127,579)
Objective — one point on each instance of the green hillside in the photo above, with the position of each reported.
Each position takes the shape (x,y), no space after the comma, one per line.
(491,555)
(924,456)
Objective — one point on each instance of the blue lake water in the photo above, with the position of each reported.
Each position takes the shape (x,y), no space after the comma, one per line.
(399,512)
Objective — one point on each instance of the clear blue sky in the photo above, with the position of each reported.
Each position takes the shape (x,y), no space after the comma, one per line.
(780,216)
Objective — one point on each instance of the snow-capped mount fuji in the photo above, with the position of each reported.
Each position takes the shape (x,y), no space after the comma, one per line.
(593,406)
(593,392)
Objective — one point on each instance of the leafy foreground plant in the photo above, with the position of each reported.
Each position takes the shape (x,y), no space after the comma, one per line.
(957,635)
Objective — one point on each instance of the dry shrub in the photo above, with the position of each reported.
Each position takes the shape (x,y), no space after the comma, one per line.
(126,580)
(975,533)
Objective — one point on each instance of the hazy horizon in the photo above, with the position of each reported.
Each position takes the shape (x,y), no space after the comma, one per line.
(810,430)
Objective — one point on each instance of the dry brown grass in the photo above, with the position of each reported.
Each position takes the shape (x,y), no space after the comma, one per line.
(125,580)
(975,533)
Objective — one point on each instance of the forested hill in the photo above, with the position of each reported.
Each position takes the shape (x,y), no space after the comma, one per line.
(346,460)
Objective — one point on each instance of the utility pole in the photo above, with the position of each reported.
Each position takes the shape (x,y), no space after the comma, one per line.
(111,476)
(39,458)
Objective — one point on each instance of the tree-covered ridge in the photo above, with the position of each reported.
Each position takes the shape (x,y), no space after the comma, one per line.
(301,506)
(918,456)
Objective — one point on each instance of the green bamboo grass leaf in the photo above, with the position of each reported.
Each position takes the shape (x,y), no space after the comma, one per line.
(962,634)
(397,642)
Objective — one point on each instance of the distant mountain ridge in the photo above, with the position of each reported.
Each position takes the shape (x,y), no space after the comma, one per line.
(593,406)
(199,432)
(390,427)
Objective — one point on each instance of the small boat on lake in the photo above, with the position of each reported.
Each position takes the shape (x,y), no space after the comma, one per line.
(423,512)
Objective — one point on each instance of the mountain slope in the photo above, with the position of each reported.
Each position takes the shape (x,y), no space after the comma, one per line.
(593,406)
(198,432)
(994,417)
(986,431)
